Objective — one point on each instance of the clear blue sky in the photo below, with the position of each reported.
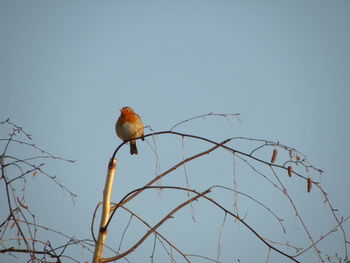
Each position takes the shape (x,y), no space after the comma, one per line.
(66,67)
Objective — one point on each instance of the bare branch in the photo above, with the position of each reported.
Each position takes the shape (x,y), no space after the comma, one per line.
(170,215)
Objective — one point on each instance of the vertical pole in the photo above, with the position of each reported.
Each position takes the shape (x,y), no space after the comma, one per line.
(107,192)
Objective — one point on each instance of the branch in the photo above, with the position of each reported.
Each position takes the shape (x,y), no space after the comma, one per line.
(170,215)
(156,232)
(226,115)
(213,202)
(16,250)
(138,191)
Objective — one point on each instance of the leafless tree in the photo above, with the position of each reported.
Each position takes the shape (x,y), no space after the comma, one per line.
(20,234)
(276,168)
(260,157)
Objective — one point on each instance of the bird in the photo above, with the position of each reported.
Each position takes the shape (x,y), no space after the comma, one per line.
(128,126)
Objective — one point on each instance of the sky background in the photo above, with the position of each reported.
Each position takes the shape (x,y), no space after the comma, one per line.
(67,67)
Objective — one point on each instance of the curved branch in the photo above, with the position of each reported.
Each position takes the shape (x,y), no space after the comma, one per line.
(198,195)
(225,115)
(218,145)
(249,155)
(138,191)
(168,216)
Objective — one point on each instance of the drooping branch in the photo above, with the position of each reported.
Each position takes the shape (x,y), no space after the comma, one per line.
(297,158)
(198,195)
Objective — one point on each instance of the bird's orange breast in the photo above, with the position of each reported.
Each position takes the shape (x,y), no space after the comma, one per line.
(128,117)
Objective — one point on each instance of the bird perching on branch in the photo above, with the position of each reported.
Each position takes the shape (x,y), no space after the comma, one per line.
(129,126)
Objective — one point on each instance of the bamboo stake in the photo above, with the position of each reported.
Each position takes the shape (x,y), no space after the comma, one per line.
(107,192)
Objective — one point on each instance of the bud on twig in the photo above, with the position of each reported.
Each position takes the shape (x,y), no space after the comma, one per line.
(274,156)
(290,171)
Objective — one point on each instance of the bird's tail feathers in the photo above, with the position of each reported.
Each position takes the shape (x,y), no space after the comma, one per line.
(133,148)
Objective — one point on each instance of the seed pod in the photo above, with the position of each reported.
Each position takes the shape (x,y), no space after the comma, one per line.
(274,156)
(290,171)
(309,184)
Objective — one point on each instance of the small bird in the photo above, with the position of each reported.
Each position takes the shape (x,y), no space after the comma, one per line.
(128,126)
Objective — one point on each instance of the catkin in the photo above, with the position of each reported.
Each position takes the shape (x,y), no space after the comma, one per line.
(309,184)
(274,156)
(290,171)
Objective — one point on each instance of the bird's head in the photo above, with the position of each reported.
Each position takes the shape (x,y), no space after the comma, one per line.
(126,110)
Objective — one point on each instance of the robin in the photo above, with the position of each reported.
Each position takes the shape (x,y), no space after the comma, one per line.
(128,126)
